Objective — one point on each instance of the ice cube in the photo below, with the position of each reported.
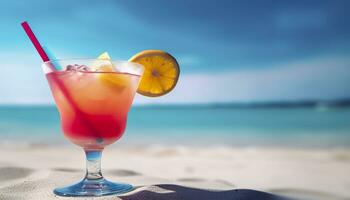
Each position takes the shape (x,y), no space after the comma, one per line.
(83,68)
(77,67)
(99,65)
(105,68)
(70,68)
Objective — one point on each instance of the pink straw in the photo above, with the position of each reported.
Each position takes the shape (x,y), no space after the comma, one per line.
(35,41)
(45,58)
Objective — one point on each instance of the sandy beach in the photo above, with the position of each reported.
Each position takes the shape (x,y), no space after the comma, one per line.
(32,171)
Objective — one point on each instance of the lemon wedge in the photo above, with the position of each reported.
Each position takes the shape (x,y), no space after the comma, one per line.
(104,56)
(106,75)
(102,61)
(160,75)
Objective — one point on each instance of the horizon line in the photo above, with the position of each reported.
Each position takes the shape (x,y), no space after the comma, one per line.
(302,102)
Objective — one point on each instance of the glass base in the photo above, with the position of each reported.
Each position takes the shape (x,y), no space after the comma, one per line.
(88,188)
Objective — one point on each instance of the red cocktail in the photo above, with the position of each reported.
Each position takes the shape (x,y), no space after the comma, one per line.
(94,105)
(93,97)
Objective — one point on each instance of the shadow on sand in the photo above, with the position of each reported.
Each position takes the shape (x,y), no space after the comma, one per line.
(177,192)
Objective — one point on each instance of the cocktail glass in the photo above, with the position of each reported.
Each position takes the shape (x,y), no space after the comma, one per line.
(93,98)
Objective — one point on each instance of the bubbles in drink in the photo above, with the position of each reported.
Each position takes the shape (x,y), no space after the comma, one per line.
(99,140)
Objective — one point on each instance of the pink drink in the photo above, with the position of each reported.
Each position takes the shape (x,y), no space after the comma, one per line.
(93,105)
(93,98)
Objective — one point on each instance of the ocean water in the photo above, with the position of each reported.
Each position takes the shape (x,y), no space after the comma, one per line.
(204,126)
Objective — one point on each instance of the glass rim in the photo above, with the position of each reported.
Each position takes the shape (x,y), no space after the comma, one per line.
(68,60)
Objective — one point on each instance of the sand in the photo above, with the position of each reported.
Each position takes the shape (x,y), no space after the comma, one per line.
(169,172)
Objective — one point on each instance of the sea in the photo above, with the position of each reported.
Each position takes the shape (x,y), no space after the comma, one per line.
(300,127)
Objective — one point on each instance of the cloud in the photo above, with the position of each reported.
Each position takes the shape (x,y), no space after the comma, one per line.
(23,82)
(326,78)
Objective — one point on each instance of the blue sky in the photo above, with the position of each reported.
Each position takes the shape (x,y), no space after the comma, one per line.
(228,50)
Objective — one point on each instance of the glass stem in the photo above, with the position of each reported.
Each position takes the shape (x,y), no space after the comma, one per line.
(93,164)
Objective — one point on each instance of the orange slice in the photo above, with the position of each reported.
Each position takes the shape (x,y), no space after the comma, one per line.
(160,75)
